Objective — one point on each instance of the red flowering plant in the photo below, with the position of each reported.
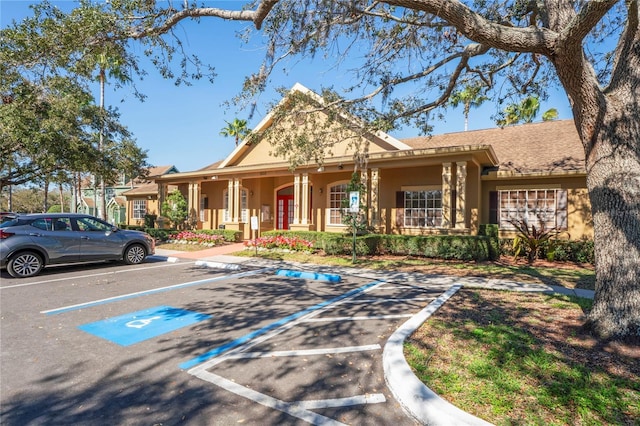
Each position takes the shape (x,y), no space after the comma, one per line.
(190,237)
(280,242)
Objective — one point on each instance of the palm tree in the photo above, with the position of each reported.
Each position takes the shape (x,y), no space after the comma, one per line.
(237,128)
(525,112)
(469,97)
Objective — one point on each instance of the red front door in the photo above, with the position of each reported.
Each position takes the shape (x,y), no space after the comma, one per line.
(284,211)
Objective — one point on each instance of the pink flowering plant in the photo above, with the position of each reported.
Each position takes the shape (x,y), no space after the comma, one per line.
(280,242)
(190,237)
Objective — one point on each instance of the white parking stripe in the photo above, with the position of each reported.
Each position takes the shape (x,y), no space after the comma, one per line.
(75,277)
(373,398)
(361,318)
(293,409)
(389,299)
(305,352)
(150,291)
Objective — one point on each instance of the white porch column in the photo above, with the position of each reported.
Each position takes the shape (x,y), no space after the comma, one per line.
(230,200)
(237,184)
(305,199)
(296,199)
(375,189)
(446,195)
(461,194)
(364,179)
(194,202)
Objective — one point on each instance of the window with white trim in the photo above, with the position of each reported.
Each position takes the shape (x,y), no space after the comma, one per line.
(244,206)
(139,209)
(423,209)
(544,208)
(337,195)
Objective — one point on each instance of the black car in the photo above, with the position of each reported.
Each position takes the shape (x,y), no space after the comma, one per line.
(31,241)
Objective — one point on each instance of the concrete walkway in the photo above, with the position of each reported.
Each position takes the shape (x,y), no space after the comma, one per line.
(420,402)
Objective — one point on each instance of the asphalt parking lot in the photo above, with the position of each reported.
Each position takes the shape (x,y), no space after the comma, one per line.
(182,343)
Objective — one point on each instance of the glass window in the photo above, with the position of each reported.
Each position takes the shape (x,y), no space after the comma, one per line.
(244,206)
(539,207)
(92,224)
(46,224)
(62,224)
(139,209)
(337,194)
(423,209)
(226,214)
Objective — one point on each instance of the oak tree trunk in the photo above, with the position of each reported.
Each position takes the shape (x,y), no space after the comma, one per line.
(614,189)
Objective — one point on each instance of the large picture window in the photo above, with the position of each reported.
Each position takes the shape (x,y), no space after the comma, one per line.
(139,209)
(337,194)
(422,209)
(544,208)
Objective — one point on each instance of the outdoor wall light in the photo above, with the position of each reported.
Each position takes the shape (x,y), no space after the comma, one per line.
(340,166)
(321,169)
(320,190)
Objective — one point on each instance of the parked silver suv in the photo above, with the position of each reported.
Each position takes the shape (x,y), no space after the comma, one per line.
(29,242)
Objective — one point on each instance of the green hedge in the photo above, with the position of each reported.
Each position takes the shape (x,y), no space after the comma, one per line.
(462,247)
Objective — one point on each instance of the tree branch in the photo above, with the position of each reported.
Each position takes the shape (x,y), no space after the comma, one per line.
(479,29)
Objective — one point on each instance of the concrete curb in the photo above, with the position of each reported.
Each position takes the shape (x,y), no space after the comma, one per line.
(418,400)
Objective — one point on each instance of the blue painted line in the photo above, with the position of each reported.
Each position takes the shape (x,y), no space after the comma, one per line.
(135,327)
(332,278)
(247,337)
(147,292)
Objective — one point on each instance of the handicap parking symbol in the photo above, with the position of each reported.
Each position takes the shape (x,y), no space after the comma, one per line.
(138,326)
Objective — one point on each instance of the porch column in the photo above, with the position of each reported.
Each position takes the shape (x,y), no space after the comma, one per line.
(237,184)
(161,196)
(446,195)
(364,179)
(230,200)
(461,194)
(296,199)
(375,189)
(305,198)
(193,202)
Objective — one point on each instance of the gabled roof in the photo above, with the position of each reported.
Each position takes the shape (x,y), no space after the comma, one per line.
(119,201)
(547,147)
(142,189)
(244,146)
(162,170)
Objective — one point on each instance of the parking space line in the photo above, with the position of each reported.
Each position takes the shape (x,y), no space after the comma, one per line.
(359,318)
(390,299)
(293,409)
(372,398)
(275,327)
(147,292)
(89,276)
(305,352)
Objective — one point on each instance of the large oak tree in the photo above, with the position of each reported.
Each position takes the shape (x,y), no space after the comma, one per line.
(408,58)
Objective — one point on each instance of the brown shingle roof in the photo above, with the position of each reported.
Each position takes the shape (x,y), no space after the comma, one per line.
(142,189)
(552,146)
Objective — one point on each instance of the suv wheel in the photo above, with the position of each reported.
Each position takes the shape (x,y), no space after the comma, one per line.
(134,254)
(25,264)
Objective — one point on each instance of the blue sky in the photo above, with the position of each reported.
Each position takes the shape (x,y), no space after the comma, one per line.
(180,125)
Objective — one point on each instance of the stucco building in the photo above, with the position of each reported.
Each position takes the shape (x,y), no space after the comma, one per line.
(438,184)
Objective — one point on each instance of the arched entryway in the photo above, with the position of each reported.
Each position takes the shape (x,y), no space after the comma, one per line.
(284,207)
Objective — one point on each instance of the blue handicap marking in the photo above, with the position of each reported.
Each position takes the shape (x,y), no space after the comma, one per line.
(135,327)
(332,278)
